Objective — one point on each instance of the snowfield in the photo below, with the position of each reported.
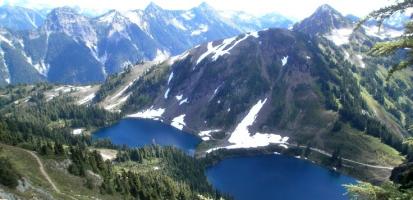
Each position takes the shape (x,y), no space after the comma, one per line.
(340,36)
(184,101)
(107,154)
(224,48)
(4,39)
(284,60)
(179,97)
(362,64)
(150,113)
(202,29)
(170,77)
(160,56)
(77,131)
(166,93)
(206,135)
(172,60)
(179,122)
(241,137)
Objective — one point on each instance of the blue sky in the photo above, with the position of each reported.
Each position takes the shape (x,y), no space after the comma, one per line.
(292,8)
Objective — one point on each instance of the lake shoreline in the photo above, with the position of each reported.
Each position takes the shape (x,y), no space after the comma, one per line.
(349,169)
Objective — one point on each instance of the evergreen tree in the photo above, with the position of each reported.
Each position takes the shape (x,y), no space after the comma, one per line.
(405,42)
(8,174)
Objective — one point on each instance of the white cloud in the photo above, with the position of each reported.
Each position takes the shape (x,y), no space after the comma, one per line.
(293,8)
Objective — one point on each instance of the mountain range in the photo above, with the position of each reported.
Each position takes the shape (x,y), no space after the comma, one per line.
(68,47)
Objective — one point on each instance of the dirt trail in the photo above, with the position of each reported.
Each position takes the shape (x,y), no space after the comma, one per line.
(43,171)
(46,175)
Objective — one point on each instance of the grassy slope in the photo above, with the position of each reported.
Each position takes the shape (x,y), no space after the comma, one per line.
(362,147)
(68,184)
(27,167)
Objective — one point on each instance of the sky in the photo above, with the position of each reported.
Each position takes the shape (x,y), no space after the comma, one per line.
(297,9)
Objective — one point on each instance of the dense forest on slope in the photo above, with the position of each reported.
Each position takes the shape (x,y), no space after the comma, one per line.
(45,127)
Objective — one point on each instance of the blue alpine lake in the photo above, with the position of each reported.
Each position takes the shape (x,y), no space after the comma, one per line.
(140,132)
(277,177)
(245,178)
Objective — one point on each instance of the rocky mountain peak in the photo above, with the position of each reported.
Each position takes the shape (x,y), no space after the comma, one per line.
(67,20)
(63,12)
(112,16)
(326,8)
(64,17)
(153,7)
(322,21)
(205,6)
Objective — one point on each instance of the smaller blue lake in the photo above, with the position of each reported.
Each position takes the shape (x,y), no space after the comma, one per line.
(139,132)
(277,177)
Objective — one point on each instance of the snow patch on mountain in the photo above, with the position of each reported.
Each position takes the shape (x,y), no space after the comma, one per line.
(340,36)
(210,49)
(224,48)
(170,77)
(77,131)
(116,28)
(42,68)
(161,56)
(241,134)
(215,92)
(362,64)
(166,93)
(284,60)
(177,24)
(346,55)
(150,113)
(4,39)
(254,34)
(241,137)
(206,135)
(7,72)
(107,18)
(179,122)
(203,28)
(136,17)
(184,101)
(188,15)
(21,43)
(172,60)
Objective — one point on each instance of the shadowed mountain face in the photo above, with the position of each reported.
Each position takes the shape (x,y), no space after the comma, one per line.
(216,84)
(68,47)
